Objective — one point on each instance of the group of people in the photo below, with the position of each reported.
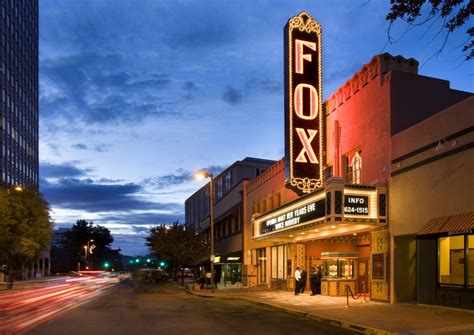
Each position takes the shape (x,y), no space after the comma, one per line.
(315,277)
(205,277)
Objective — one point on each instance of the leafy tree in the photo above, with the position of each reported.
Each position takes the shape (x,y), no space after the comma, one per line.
(453,13)
(66,257)
(178,245)
(25,229)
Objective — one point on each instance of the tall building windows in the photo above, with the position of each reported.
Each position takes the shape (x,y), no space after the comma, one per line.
(354,168)
(18,71)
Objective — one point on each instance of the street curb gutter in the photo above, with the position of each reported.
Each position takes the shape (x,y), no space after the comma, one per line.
(333,322)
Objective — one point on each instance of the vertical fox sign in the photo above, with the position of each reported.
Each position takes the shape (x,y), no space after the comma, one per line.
(304,121)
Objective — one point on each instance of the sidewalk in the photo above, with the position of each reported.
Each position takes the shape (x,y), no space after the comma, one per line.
(370,317)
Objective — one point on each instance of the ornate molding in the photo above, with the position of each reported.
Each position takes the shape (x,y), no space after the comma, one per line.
(380,64)
(304,22)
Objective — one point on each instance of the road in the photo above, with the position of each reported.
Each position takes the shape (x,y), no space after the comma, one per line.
(166,309)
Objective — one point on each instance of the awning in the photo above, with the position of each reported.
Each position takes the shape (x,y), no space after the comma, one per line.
(450,225)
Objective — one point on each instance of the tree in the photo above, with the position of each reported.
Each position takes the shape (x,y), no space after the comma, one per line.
(180,246)
(66,257)
(25,229)
(453,13)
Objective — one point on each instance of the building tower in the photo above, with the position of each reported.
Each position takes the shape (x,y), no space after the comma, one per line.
(19,93)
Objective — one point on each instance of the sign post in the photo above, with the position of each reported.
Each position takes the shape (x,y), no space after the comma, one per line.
(304,120)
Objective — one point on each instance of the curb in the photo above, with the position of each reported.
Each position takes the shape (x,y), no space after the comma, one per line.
(332,322)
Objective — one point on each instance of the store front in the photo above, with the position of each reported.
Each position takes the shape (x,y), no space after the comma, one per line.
(446,261)
(228,269)
(341,228)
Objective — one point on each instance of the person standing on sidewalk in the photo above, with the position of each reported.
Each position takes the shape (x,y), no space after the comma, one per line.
(312,280)
(304,276)
(297,280)
(202,278)
(319,277)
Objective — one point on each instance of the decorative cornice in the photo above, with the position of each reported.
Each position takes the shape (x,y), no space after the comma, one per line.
(380,64)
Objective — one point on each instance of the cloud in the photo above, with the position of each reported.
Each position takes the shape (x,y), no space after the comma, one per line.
(102,147)
(232,96)
(96,88)
(178,177)
(54,148)
(93,196)
(65,170)
(79,146)
(142,219)
(265,85)
(190,86)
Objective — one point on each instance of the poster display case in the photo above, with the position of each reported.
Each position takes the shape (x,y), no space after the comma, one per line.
(338,271)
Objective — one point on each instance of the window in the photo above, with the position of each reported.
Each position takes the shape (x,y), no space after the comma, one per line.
(452,260)
(219,188)
(354,168)
(278,262)
(228,182)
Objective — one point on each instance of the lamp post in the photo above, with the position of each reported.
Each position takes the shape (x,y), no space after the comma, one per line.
(209,175)
(88,251)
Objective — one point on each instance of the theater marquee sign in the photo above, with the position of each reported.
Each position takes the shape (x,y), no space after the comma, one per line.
(304,122)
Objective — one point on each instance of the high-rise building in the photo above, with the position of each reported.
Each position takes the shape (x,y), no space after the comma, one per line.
(19,93)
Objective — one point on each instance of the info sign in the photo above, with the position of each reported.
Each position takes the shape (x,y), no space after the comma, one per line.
(302,214)
(356,204)
(304,120)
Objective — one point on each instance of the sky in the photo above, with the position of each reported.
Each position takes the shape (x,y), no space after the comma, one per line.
(135,96)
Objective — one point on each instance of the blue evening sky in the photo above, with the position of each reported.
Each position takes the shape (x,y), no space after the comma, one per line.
(136,95)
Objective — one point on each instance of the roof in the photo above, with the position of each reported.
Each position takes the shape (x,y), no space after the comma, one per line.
(452,224)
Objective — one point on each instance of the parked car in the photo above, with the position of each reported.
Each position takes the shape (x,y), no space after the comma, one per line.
(153,275)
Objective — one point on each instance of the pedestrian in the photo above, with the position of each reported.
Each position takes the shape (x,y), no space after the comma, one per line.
(202,278)
(217,276)
(312,280)
(304,276)
(208,278)
(297,280)
(319,277)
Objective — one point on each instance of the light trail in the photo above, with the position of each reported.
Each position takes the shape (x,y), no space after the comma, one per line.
(20,311)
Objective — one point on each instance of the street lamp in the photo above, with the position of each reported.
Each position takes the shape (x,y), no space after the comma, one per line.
(16,188)
(88,249)
(201,175)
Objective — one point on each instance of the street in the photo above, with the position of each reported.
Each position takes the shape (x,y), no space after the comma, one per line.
(166,309)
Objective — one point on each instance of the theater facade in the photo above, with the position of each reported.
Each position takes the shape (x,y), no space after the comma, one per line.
(327,201)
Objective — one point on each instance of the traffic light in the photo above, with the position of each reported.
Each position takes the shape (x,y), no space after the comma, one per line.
(162,264)
(137,260)
(106,265)
(148,260)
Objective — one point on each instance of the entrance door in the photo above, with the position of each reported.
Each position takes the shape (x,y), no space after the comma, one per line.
(363,275)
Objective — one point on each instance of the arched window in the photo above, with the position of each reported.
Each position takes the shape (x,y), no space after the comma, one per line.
(354,168)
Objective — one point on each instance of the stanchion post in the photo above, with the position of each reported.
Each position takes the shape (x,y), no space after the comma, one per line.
(347,296)
(363,289)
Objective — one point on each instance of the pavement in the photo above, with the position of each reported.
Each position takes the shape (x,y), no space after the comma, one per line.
(365,317)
